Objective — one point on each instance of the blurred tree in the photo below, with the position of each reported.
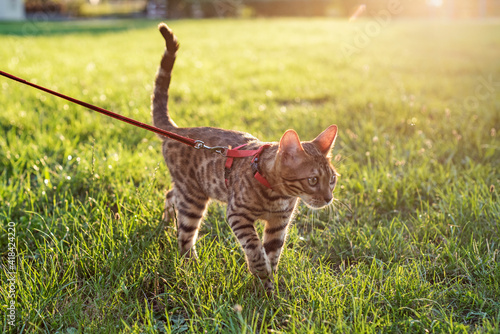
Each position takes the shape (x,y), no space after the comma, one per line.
(448,8)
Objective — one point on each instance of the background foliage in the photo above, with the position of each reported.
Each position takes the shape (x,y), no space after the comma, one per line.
(232,8)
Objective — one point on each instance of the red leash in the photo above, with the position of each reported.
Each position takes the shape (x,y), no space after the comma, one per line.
(188,141)
(225,151)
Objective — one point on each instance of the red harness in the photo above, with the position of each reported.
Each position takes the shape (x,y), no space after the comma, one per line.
(235,153)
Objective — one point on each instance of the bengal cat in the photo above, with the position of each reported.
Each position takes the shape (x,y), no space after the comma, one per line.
(288,170)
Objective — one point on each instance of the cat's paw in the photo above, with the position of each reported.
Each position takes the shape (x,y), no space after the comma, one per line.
(169,215)
(268,285)
(266,279)
(190,255)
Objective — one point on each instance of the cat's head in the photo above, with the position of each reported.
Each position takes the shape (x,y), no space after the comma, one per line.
(305,168)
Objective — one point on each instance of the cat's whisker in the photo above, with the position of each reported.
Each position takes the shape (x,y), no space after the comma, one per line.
(344,205)
(331,207)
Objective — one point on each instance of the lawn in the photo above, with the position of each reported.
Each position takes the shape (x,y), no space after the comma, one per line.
(412,243)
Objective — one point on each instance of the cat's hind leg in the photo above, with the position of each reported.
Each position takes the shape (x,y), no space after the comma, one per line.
(169,211)
(190,208)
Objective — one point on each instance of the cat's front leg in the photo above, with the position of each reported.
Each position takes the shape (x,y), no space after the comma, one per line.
(242,224)
(275,232)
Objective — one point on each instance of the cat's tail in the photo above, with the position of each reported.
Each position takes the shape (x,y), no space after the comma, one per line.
(159,100)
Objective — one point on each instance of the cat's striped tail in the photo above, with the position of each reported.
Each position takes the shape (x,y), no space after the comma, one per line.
(159,103)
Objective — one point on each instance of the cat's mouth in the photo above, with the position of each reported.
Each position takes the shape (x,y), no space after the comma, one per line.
(316,203)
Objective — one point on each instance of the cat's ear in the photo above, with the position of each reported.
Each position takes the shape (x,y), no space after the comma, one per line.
(326,139)
(290,147)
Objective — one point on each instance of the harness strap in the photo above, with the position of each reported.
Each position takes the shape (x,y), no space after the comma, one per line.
(236,153)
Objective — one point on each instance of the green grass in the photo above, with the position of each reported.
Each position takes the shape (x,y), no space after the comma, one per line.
(412,244)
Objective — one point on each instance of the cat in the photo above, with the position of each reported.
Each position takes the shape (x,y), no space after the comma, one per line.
(266,187)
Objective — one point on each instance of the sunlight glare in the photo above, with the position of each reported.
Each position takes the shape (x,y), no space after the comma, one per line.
(435,3)
(357,13)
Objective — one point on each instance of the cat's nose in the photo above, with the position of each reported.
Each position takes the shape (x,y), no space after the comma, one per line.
(328,198)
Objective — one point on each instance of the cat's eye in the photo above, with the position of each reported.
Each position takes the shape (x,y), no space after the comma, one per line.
(333,179)
(312,181)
